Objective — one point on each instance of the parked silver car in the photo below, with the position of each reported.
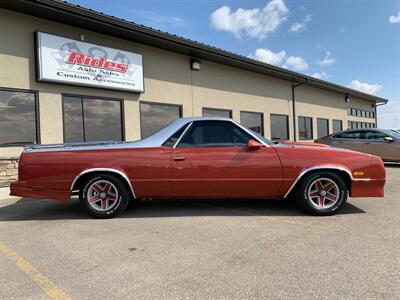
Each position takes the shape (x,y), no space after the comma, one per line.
(381,142)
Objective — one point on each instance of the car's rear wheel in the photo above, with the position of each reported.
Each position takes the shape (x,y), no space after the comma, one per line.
(322,193)
(104,196)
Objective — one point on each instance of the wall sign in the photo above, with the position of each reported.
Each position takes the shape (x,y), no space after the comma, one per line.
(70,61)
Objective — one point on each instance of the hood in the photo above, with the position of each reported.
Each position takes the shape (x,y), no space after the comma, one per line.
(305,144)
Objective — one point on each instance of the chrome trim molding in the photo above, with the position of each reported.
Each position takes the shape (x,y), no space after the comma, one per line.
(104,170)
(183,133)
(155,140)
(304,172)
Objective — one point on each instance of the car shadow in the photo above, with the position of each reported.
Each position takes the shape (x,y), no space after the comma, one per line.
(392,165)
(31,209)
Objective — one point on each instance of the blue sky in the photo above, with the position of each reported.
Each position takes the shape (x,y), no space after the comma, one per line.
(350,42)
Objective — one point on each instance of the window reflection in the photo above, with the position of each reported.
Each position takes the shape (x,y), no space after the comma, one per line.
(337,125)
(253,121)
(154,116)
(279,127)
(216,112)
(73,120)
(305,128)
(17,118)
(91,119)
(102,120)
(322,127)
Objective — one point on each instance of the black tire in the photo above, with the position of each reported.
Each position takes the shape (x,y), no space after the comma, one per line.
(310,204)
(117,190)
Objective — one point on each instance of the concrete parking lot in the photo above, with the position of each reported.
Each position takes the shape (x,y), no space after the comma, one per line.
(202,249)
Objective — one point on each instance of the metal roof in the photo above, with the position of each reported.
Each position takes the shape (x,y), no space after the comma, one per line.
(80,17)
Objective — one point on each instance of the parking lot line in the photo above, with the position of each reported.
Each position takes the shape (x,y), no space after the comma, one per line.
(271,218)
(34,274)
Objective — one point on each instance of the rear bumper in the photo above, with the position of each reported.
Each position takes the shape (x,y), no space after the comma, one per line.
(367,188)
(20,189)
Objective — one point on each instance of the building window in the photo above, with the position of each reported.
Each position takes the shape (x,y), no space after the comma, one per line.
(349,124)
(88,119)
(349,111)
(322,127)
(279,127)
(305,128)
(217,112)
(337,125)
(18,118)
(155,116)
(253,121)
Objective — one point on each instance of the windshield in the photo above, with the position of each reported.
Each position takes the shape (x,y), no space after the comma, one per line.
(393,133)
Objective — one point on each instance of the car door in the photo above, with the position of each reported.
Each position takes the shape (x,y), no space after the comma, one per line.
(212,160)
(349,139)
(376,144)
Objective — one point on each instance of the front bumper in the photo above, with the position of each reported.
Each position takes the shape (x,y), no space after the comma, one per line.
(367,188)
(21,189)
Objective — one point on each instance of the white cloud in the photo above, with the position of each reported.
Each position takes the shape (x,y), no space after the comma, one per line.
(319,75)
(328,60)
(301,26)
(280,59)
(296,63)
(365,87)
(268,56)
(255,23)
(157,20)
(395,19)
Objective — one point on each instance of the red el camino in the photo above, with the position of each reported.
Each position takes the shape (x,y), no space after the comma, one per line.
(198,158)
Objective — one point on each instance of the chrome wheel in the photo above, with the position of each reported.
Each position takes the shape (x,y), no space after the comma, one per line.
(102,195)
(323,193)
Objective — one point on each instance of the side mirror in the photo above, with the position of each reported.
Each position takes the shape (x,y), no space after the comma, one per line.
(388,139)
(253,144)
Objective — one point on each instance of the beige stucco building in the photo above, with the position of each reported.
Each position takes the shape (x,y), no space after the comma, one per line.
(184,77)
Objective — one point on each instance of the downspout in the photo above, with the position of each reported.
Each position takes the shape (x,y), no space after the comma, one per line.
(294,105)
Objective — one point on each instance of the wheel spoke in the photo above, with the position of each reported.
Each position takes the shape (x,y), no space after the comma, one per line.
(104,204)
(111,197)
(323,193)
(97,188)
(330,197)
(321,201)
(102,195)
(328,186)
(318,184)
(94,198)
(107,188)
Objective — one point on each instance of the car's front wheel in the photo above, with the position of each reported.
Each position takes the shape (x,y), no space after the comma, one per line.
(104,196)
(322,193)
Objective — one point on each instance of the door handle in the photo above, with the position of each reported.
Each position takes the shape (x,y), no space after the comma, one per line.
(179,158)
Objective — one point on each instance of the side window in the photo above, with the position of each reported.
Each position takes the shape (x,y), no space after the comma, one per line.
(207,134)
(172,140)
(374,135)
(355,135)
